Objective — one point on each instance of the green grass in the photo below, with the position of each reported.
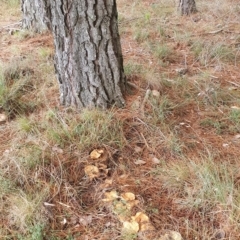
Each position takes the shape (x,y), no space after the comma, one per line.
(15,83)
(200,183)
(45,52)
(207,52)
(6,185)
(23,34)
(23,210)
(25,125)
(35,232)
(132,69)
(85,130)
(162,51)
(160,109)
(11,3)
(12,101)
(141,36)
(202,186)
(235,116)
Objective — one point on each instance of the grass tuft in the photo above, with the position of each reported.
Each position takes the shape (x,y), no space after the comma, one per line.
(15,83)
(85,130)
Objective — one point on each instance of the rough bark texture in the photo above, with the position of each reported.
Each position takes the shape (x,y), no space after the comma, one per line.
(36,15)
(187,7)
(88,58)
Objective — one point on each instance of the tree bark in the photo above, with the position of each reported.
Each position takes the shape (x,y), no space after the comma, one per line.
(186,7)
(36,15)
(88,55)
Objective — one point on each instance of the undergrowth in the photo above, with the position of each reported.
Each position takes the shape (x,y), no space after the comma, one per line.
(175,145)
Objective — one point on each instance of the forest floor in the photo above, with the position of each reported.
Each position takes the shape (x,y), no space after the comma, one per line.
(167,165)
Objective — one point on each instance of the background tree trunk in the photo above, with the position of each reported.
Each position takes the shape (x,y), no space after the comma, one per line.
(36,15)
(187,7)
(88,58)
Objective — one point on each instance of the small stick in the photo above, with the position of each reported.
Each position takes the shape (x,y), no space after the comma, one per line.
(145,141)
(215,32)
(233,83)
(145,100)
(133,85)
(17,23)
(63,204)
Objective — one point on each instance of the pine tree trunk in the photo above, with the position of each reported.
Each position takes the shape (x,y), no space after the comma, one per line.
(187,7)
(88,58)
(36,15)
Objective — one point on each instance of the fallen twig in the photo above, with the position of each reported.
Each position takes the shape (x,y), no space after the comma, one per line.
(144,101)
(217,31)
(233,83)
(133,85)
(12,24)
(11,27)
